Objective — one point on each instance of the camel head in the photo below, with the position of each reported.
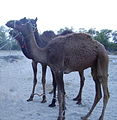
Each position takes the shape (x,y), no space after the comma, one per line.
(16,35)
(26,29)
(32,21)
(10,23)
(20,39)
(13,23)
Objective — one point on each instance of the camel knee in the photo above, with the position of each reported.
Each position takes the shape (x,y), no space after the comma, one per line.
(99,97)
(102,78)
(106,98)
(106,94)
(35,81)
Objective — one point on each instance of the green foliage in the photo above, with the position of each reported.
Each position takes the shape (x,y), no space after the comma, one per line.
(6,41)
(103,37)
(63,29)
(112,46)
(114,36)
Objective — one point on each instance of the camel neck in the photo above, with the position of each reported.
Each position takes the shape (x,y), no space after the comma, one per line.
(38,54)
(39,41)
(23,47)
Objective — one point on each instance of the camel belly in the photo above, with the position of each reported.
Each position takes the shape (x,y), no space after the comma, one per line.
(78,64)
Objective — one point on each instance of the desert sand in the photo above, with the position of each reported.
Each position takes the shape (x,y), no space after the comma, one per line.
(16,80)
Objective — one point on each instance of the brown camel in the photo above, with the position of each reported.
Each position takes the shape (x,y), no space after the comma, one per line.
(67,54)
(48,35)
(42,41)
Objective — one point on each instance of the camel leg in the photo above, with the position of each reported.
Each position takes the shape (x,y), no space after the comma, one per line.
(34,66)
(52,83)
(44,67)
(61,94)
(106,96)
(78,98)
(98,94)
(54,91)
(103,68)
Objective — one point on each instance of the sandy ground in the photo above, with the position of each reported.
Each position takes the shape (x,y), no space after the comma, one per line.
(16,79)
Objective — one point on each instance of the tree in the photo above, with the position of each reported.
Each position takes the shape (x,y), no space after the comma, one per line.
(82,30)
(103,37)
(6,41)
(92,32)
(63,29)
(114,36)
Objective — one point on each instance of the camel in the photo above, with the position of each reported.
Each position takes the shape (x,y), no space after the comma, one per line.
(42,41)
(67,54)
(48,35)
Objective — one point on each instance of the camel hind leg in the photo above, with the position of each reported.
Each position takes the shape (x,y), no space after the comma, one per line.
(103,68)
(101,74)
(106,96)
(78,98)
(98,94)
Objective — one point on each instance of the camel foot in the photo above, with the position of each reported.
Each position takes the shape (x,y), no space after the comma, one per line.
(61,118)
(53,103)
(75,99)
(101,118)
(30,99)
(44,99)
(84,118)
(78,102)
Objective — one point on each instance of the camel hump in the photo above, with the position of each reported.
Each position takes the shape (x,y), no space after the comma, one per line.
(82,36)
(85,35)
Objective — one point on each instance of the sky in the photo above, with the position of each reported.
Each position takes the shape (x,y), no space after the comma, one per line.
(56,14)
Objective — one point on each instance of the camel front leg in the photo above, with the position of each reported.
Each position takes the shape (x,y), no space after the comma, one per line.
(61,94)
(78,98)
(44,67)
(54,91)
(34,66)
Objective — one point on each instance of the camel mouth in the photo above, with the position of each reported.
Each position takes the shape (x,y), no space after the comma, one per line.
(13,33)
(10,24)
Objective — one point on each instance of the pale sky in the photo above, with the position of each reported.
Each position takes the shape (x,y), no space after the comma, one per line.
(56,14)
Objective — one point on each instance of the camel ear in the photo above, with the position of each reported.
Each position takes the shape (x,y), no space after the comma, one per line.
(36,19)
(24,18)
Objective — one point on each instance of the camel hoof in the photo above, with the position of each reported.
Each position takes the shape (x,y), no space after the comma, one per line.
(30,99)
(52,105)
(43,101)
(75,99)
(79,103)
(61,118)
(84,118)
(101,118)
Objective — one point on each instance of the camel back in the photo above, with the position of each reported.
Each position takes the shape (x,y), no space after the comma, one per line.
(78,49)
